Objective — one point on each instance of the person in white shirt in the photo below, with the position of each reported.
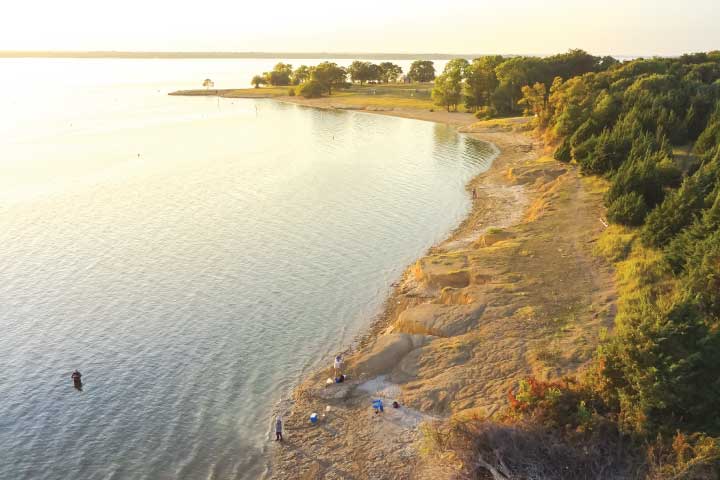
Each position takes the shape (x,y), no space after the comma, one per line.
(337,366)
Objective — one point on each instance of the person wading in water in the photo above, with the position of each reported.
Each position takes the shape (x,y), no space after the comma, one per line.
(278,429)
(76,378)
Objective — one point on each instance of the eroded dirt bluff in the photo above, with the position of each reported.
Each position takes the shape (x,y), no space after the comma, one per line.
(514,291)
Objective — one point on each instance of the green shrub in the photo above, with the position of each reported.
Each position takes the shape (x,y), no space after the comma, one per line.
(563,153)
(679,209)
(640,176)
(586,130)
(582,152)
(710,136)
(615,243)
(628,209)
(311,89)
(485,113)
(661,367)
(703,275)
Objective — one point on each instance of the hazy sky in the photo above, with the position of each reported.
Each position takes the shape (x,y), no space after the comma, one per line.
(642,27)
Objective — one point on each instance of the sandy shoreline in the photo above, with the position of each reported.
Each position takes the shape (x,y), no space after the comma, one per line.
(513,291)
(461,327)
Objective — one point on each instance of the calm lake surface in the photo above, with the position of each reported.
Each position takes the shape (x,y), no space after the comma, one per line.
(193,257)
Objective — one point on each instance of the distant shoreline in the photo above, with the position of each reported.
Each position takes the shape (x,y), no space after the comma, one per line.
(268,55)
(218,55)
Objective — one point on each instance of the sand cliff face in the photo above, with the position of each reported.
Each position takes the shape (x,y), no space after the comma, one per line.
(514,291)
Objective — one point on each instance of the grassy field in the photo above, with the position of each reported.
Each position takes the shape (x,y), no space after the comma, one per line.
(265,92)
(412,95)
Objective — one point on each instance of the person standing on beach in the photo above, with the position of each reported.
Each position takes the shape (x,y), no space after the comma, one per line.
(278,429)
(337,366)
(474,193)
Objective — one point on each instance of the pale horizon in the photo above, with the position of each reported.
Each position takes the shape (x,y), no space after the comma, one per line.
(460,27)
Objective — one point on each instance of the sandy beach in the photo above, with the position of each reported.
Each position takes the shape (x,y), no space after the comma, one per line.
(514,291)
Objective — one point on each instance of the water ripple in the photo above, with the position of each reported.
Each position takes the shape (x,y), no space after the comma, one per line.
(193,290)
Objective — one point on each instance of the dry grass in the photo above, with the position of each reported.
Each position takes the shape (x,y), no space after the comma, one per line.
(477,448)
(615,243)
(391,96)
(262,92)
(399,96)
(386,101)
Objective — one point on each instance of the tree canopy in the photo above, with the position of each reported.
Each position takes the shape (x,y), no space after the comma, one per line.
(258,80)
(389,72)
(448,86)
(496,83)
(301,74)
(658,373)
(362,72)
(329,75)
(422,71)
(280,75)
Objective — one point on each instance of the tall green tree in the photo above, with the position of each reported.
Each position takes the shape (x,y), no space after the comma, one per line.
(390,72)
(359,71)
(374,73)
(329,75)
(280,74)
(481,81)
(258,80)
(513,74)
(534,99)
(301,74)
(447,90)
(422,71)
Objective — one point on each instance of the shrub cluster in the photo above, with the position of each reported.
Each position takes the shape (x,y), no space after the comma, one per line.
(657,377)
(648,406)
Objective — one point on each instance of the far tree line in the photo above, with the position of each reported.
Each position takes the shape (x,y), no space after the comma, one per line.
(313,81)
(489,85)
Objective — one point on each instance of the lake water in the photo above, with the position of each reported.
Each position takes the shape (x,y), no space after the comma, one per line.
(193,257)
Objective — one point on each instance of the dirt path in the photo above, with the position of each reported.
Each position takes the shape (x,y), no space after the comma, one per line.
(514,291)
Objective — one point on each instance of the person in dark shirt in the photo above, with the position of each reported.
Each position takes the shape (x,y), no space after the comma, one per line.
(77,379)
(278,429)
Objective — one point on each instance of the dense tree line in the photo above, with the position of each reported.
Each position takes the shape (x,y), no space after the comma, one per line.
(624,122)
(385,72)
(313,81)
(660,372)
(494,84)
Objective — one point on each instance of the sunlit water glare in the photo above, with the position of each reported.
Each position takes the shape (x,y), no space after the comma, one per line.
(193,257)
